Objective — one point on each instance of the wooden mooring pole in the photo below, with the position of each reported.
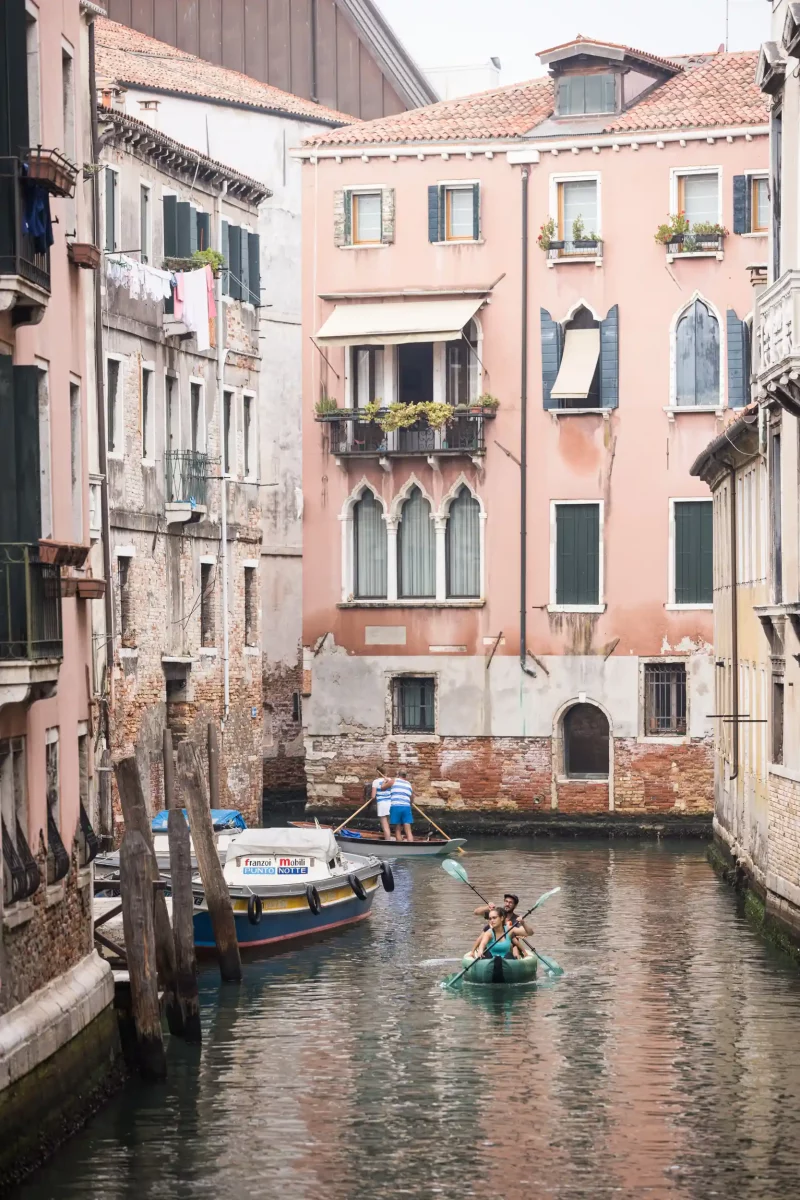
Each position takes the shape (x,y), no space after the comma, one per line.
(213,765)
(137,921)
(134,812)
(180,866)
(193,789)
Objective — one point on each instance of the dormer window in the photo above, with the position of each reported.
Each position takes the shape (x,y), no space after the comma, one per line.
(582,95)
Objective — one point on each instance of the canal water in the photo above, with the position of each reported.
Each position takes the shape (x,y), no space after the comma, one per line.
(665,1062)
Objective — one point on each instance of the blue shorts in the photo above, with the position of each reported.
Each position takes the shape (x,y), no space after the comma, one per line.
(400,814)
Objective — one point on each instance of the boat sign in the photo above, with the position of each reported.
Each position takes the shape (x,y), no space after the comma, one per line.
(275,866)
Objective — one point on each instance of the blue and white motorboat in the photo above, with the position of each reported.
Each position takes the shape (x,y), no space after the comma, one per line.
(227,823)
(287,884)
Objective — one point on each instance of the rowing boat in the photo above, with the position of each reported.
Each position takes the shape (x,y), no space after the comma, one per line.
(384,848)
(500,970)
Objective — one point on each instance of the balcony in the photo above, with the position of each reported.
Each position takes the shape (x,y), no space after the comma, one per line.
(24,270)
(186,475)
(777,326)
(350,437)
(31,646)
(695,245)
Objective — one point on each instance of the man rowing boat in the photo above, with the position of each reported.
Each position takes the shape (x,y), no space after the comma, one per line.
(382,795)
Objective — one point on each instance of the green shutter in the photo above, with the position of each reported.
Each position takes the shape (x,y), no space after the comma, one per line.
(111,208)
(254,264)
(27,381)
(187,229)
(348,218)
(203,231)
(578,554)
(609,359)
(14,126)
(476,211)
(434,213)
(244,262)
(694,552)
(738,385)
(170,207)
(235,261)
(8,456)
(552,345)
(225,251)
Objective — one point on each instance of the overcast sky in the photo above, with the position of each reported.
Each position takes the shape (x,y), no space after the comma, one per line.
(457,32)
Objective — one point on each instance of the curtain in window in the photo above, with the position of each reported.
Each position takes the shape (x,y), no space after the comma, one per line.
(369,530)
(416,549)
(697,357)
(463,547)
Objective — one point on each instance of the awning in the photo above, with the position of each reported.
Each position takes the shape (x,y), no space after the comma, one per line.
(578,364)
(391,324)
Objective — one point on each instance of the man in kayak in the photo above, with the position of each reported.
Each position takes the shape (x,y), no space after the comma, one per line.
(512,920)
(499,940)
(400,813)
(382,795)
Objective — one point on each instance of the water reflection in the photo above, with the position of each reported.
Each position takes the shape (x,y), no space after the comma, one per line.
(665,1062)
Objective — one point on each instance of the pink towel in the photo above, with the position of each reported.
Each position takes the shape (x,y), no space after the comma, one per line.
(178,306)
(212,304)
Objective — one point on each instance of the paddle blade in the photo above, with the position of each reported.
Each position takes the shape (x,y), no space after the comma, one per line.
(455,870)
(550,963)
(545,896)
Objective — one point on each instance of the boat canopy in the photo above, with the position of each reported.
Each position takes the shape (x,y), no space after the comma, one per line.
(310,843)
(222,818)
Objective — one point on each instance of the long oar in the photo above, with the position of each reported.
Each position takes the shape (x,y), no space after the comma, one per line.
(352,815)
(438,829)
(541,900)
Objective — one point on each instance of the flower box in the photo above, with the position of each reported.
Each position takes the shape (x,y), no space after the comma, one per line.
(62,554)
(53,170)
(91,589)
(556,245)
(84,254)
(585,243)
(707,239)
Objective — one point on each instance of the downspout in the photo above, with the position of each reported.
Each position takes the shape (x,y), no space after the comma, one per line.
(314,96)
(523,451)
(734,634)
(222,354)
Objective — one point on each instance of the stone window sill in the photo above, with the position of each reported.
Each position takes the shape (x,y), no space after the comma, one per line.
(429,738)
(673,410)
(572,259)
(252,650)
(588,779)
(411,604)
(605,413)
(576,608)
(55,893)
(664,739)
(129,651)
(460,242)
(208,651)
(689,607)
(84,877)
(719,255)
(367,246)
(18,914)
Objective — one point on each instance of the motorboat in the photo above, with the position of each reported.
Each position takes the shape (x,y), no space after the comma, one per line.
(227,823)
(386,848)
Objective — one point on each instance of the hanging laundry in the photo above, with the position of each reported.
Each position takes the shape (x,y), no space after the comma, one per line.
(191,304)
(141,281)
(36,220)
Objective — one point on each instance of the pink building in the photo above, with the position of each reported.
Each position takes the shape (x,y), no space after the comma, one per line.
(515,600)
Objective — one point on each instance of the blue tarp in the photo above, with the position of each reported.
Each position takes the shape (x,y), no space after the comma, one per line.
(223,818)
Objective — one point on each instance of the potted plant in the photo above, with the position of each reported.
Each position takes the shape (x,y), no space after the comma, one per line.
(580,238)
(213,258)
(673,231)
(84,254)
(708,233)
(325,406)
(399,416)
(547,236)
(437,415)
(489,404)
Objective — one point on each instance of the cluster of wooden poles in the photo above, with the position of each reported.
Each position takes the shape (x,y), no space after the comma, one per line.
(161,956)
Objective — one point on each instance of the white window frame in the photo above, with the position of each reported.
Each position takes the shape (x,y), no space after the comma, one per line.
(148,365)
(117,207)
(177,395)
(677,173)
(671,605)
(560,177)
(250,476)
(251,564)
(674,408)
(112,356)
(202,426)
(752,175)
(231,445)
(601,563)
(460,185)
(147,249)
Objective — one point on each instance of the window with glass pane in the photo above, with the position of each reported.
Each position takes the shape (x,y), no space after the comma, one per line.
(577,198)
(366,218)
(759,205)
(462,367)
(459,214)
(664,699)
(416,549)
(413,705)
(367,374)
(579,94)
(369,535)
(577,554)
(698,198)
(463,549)
(694,552)
(697,373)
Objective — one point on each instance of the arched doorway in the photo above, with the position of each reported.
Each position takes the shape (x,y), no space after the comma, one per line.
(586,742)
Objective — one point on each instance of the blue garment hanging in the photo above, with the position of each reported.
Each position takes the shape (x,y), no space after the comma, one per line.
(36,221)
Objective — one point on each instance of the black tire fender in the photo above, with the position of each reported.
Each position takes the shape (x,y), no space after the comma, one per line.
(387,878)
(314,902)
(357,886)
(254,910)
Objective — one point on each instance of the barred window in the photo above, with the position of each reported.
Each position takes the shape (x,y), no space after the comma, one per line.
(664,699)
(413,705)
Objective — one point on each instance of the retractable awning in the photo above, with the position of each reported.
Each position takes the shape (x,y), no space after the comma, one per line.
(578,364)
(394,323)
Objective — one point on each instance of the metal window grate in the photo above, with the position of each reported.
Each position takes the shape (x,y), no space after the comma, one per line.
(57,857)
(665,699)
(89,845)
(413,705)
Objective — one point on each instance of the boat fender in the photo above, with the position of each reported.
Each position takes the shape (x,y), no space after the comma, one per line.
(254,910)
(387,878)
(357,886)
(314,902)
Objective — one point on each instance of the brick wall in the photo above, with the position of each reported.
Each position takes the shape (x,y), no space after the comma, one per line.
(784,828)
(660,777)
(284,758)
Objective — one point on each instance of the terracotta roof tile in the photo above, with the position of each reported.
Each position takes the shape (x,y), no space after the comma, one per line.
(642,54)
(721,90)
(128,57)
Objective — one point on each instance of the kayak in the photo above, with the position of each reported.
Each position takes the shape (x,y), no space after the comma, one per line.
(500,970)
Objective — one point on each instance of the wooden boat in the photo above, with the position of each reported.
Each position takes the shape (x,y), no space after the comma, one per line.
(500,970)
(377,845)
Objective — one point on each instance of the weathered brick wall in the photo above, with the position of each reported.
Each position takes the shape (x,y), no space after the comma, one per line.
(784,828)
(284,757)
(653,777)
(582,796)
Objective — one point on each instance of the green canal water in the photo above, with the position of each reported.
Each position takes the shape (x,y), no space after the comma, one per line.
(665,1062)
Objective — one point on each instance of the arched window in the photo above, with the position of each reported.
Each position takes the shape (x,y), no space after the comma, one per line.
(463,547)
(585,742)
(416,549)
(369,538)
(697,357)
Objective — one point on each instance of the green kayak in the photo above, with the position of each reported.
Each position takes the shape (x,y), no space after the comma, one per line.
(500,970)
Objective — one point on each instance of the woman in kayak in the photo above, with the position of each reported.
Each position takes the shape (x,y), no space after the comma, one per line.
(497,941)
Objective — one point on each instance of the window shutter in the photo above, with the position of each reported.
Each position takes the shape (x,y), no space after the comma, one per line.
(387,215)
(14,121)
(26,447)
(170,206)
(738,361)
(476,211)
(434,213)
(203,231)
(225,250)
(609,359)
(339,206)
(348,218)
(565,96)
(185,217)
(609,93)
(577,554)
(111,208)
(694,552)
(235,261)
(254,267)
(244,260)
(552,345)
(8,457)
(741,204)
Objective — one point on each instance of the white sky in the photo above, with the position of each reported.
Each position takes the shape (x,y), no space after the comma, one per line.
(458,32)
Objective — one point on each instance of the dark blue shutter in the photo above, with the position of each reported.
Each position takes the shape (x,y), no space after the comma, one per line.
(476,211)
(203,231)
(14,124)
(235,261)
(170,207)
(434,213)
(186,221)
(27,381)
(245,266)
(225,251)
(741,204)
(609,359)
(694,552)
(738,386)
(578,554)
(552,345)
(254,266)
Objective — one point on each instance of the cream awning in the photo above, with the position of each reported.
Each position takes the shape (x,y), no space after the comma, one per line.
(578,364)
(393,323)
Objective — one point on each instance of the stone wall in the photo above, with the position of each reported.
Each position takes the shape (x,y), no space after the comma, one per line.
(784,827)
(284,758)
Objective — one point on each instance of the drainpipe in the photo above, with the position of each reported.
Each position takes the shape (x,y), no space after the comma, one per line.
(222,354)
(734,633)
(523,452)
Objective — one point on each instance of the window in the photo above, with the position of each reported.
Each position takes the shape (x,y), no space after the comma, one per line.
(776,172)
(413,705)
(416,549)
(369,537)
(148,448)
(113,404)
(579,94)
(145,223)
(207,604)
(21,876)
(248,418)
(57,857)
(759,204)
(414,372)
(577,554)
(126,630)
(694,551)
(250,607)
(172,413)
(68,109)
(366,218)
(577,384)
(197,416)
(578,209)
(776,516)
(88,844)
(203,236)
(228,432)
(586,734)
(76,460)
(698,197)
(462,367)
(459,214)
(366,375)
(34,83)
(463,547)
(111,183)
(697,357)
(297,706)
(777,718)
(664,699)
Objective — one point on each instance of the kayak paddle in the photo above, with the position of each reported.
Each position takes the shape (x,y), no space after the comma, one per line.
(541,900)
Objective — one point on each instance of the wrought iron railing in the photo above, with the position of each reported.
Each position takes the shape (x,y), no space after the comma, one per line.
(33,876)
(696,243)
(186,474)
(584,248)
(30,605)
(18,253)
(21,876)
(57,857)
(350,437)
(88,843)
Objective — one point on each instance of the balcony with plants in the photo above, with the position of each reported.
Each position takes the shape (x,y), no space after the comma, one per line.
(25,239)
(583,244)
(406,429)
(682,239)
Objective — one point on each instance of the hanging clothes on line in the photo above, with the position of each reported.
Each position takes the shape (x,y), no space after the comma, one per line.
(140,281)
(192,304)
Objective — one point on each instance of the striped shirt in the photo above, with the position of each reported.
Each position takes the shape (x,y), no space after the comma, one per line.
(402,792)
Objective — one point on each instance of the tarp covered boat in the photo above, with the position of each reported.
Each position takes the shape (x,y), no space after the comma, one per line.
(500,970)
